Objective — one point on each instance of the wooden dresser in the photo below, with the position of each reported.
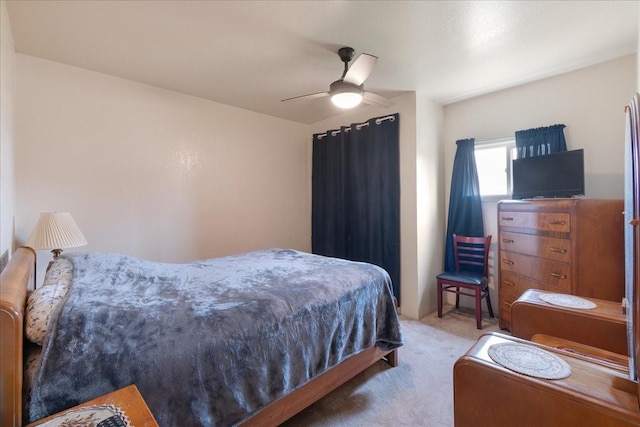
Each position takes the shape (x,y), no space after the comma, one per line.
(573,246)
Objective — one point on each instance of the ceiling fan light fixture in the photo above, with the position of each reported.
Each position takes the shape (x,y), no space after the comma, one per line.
(346,99)
(348,91)
(345,95)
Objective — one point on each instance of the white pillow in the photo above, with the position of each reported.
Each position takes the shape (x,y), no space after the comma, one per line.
(43,301)
(61,269)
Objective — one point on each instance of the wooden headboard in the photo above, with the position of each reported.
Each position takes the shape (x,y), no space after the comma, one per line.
(13,294)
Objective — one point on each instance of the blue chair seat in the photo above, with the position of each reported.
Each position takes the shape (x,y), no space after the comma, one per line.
(463,277)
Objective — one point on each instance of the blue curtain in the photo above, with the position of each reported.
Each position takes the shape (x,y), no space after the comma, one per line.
(465,205)
(540,141)
(356,194)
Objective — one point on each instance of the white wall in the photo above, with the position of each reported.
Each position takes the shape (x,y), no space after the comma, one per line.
(590,102)
(419,192)
(430,197)
(7,89)
(154,173)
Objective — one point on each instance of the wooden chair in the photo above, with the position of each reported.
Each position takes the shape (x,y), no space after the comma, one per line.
(471,256)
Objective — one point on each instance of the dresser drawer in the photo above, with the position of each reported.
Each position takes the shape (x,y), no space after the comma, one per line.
(512,286)
(552,273)
(505,314)
(506,297)
(544,221)
(551,248)
(508,286)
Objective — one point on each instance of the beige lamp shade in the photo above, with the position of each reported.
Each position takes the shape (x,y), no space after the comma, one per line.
(56,230)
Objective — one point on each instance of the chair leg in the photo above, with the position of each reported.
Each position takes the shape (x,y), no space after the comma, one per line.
(478,307)
(439,299)
(457,297)
(489,304)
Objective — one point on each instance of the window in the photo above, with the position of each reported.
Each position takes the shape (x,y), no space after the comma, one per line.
(493,161)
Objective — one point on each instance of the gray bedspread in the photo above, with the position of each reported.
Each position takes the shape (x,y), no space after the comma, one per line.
(209,342)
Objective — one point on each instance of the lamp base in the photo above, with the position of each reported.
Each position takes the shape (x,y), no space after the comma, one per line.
(56,253)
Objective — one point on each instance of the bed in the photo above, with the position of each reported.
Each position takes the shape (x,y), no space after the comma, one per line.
(219,353)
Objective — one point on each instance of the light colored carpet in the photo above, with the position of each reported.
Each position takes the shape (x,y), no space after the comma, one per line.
(418,392)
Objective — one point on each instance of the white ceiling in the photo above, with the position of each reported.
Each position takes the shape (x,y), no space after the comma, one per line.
(253,54)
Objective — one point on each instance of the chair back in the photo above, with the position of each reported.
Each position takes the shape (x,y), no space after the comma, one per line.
(472,254)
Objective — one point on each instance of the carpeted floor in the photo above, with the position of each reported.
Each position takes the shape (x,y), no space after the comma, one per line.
(418,392)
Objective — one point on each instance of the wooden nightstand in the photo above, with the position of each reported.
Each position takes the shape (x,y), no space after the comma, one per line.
(603,327)
(488,394)
(126,400)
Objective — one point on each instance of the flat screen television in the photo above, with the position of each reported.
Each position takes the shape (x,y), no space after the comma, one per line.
(551,175)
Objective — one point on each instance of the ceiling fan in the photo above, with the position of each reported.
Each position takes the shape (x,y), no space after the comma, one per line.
(348,91)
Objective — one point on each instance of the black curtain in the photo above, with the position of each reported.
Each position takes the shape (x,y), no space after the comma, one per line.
(540,141)
(356,194)
(465,205)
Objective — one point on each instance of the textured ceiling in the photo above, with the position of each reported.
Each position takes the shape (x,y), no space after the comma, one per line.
(253,54)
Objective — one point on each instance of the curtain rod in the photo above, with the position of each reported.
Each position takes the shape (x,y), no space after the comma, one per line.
(358,126)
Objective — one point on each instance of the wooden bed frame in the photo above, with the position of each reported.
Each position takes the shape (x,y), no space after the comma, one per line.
(14,281)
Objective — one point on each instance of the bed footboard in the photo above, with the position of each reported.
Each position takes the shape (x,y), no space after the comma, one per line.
(13,294)
(289,405)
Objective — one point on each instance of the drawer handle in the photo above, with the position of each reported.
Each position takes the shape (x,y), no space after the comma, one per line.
(507,240)
(559,276)
(556,222)
(506,282)
(558,250)
(508,262)
(507,218)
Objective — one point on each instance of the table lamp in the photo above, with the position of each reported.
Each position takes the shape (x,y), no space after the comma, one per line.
(55,231)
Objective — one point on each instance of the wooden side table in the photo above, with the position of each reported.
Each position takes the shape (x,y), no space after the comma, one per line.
(126,400)
(604,327)
(488,394)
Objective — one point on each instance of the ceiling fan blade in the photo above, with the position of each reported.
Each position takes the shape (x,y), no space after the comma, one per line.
(360,69)
(309,96)
(372,98)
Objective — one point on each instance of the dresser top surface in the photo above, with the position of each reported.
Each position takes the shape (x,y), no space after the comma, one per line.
(556,204)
